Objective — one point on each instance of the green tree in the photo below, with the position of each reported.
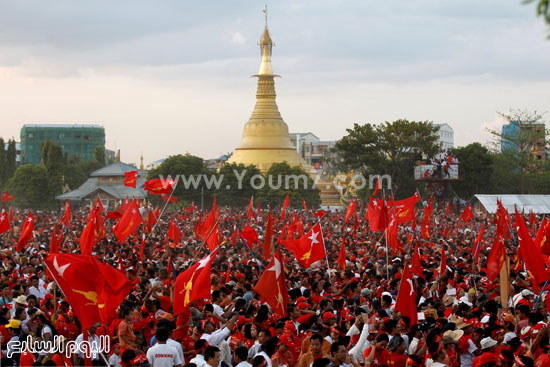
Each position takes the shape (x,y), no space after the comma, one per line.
(27,185)
(281,179)
(193,170)
(99,155)
(543,9)
(2,163)
(45,149)
(54,169)
(11,159)
(475,168)
(522,143)
(230,193)
(390,148)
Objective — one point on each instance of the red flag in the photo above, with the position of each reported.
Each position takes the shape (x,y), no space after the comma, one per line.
(10,215)
(93,289)
(376,214)
(259,213)
(159,186)
(285,205)
(272,285)
(128,224)
(467,215)
(320,214)
(152,219)
(309,248)
(249,235)
(234,235)
(250,214)
(191,208)
(543,237)
(142,246)
(425,226)
(477,245)
(305,205)
(228,274)
(92,232)
(7,197)
(342,257)
(392,234)
(443,266)
(406,298)
(53,242)
(496,258)
(169,199)
(416,266)
(404,209)
(377,187)
(174,232)
(448,209)
(268,237)
(26,233)
(502,221)
(130,178)
(351,210)
(532,256)
(208,225)
(193,284)
(4,223)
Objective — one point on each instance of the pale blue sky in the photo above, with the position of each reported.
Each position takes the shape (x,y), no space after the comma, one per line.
(166,77)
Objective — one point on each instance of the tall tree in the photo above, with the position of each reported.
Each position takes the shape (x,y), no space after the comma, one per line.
(282,179)
(236,184)
(45,149)
(99,155)
(54,169)
(27,185)
(192,172)
(2,163)
(475,168)
(11,159)
(389,148)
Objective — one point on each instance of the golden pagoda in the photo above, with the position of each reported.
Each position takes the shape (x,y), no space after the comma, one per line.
(265,138)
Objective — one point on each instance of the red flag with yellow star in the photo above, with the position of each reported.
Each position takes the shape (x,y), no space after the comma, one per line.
(130,178)
(128,224)
(308,248)
(193,284)
(272,285)
(94,290)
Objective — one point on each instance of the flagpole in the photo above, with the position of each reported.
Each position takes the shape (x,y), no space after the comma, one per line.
(206,240)
(251,253)
(162,211)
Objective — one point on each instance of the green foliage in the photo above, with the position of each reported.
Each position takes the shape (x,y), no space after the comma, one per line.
(389,148)
(234,195)
(543,9)
(11,156)
(2,163)
(99,154)
(27,185)
(300,186)
(475,168)
(187,166)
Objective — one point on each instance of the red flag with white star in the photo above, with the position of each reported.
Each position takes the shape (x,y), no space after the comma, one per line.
(193,284)
(308,248)
(4,223)
(406,298)
(26,233)
(272,285)
(128,224)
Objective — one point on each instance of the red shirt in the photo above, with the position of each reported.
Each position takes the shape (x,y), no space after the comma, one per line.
(27,359)
(381,357)
(397,360)
(61,360)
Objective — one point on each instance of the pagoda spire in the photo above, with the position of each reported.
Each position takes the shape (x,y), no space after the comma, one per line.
(266,47)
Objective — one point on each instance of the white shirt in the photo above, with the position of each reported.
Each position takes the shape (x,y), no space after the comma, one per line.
(114,360)
(254,349)
(198,360)
(216,337)
(94,342)
(218,311)
(358,349)
(171,342)
(37,293)
(268,360)
(244,364)
(163,355)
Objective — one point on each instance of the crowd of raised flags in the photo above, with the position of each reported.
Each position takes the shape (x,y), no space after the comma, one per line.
(269,287)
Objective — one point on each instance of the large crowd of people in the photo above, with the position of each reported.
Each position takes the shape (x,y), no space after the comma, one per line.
(334,317)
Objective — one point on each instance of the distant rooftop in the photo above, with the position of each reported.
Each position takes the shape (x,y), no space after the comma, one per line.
(64,125)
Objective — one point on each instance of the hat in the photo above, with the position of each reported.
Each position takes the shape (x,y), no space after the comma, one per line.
(452,336)
(316,328)
(327,316)
(487,343)
(22,300)
(460,323)
(168,316)
(526,293)
(14,324)
(472,291)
